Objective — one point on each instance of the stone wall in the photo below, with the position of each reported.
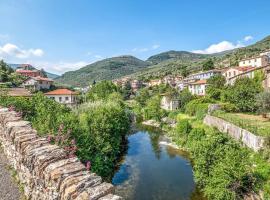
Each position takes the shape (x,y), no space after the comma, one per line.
(249,139)
(44,170)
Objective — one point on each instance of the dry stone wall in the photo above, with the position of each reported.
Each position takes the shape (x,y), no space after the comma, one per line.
(249,139)
(44,170)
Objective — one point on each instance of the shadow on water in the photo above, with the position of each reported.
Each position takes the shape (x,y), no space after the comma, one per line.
(152,169)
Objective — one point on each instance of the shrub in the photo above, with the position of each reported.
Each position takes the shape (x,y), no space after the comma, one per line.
(104,126)
(198,107)
(228,107)
(243,94)
(263,102)
(183,127)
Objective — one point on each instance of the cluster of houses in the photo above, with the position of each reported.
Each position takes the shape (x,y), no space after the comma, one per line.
(197,83)
(35,80)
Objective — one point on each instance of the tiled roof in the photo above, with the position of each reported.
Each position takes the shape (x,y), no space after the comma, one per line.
(242,69)
(199,82)
(61,92)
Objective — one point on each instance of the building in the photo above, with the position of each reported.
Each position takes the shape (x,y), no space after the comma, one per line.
(29,73)
(250,74)
(135,85)
(169,103)
(154,82)
(234,71)
(37,83)
(16,92)
(64,96)
(259,61)
(265,53)
(204,75)
(198,87)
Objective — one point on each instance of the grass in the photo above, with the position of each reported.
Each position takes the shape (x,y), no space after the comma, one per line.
(254,123)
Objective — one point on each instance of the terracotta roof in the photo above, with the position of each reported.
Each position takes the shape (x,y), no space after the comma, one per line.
(26,71)
(17,92)
(199,82)
(39,78)
(243,69)
(61,92)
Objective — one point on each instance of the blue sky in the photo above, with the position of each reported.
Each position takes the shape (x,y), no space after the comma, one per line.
(63,35)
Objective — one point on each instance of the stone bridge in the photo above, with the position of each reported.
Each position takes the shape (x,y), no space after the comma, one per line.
(44,169)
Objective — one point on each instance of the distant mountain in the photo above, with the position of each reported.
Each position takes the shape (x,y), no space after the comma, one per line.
(107,69)
(49,75)
(175,55)
(170,62)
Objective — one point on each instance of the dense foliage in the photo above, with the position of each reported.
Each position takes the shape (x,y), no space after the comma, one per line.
(243,94)
(263,102)
(98,129)
(222,168)
(216,86)
(8,77)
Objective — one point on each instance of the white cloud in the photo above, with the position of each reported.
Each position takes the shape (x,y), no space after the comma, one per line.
(224,46)
(12,51)
(248,38)
(219,47)
(155,46)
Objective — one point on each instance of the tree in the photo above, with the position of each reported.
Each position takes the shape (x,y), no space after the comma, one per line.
(185,97)
(184,71)
(208,64)
(263,102)
(216,85)
(153,110)
(243,94)
(102,90)
(142,96)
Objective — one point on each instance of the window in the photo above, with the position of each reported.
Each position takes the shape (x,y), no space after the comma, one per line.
(243,62)
(66,98)
(255,60)
(229,74)
(52,98)
(60,99)
(234,73)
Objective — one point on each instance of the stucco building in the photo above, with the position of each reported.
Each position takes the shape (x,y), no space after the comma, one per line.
(37,83)
(259,61)
(64,96)
(169,103)
(198,87)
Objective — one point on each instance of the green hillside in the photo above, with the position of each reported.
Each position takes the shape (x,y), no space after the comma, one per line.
(107,69)
(170,62)
(175,55)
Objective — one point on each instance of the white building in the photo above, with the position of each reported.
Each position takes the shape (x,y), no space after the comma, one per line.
(198,87)
(37,83)
(234,71)
(64,96)
(265,53)
(169,103)
(259,61)
(204,75)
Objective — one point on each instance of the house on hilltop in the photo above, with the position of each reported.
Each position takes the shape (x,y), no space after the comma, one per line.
(234,71)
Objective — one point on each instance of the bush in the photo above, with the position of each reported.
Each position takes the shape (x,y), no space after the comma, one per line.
(243,94)
(198,107)
(104,126)
(228,107)
(183,127)
(263,102)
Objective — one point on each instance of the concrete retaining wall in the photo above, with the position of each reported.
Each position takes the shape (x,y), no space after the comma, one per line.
(44,170)
(249,139)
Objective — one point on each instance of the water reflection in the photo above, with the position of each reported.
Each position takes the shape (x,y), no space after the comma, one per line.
(150,170)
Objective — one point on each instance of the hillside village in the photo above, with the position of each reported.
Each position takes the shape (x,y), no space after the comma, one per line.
(222,110)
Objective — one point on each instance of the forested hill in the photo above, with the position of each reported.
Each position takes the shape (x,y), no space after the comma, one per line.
(170,62)
(107,69)
(175,55)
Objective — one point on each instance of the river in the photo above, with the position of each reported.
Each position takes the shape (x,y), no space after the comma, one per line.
(152,169)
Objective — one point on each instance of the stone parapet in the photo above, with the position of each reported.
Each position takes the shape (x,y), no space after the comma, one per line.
(44,169)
